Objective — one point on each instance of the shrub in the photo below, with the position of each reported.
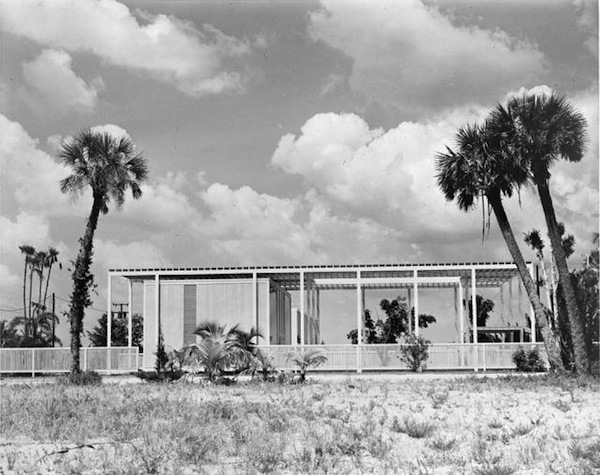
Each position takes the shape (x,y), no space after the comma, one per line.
(415,352)
(528,361)
(306,359)
(85,378)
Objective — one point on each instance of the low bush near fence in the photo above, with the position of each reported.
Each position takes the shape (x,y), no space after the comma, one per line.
(528,361)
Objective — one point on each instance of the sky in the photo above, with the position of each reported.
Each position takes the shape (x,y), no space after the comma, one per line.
(278,133)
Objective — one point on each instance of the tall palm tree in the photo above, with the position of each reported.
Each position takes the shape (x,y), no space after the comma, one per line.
(538,130)
(479,170)
(110,166)
(51,259)
(29,252)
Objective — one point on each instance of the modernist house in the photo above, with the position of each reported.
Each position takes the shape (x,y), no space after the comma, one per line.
(284,302)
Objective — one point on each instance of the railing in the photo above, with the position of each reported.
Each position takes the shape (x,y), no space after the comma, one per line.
(375,357)
(113,360)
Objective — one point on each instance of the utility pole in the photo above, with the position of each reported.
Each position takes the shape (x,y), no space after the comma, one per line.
(53,320)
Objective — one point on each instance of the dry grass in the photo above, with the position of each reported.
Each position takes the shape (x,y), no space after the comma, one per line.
(482,426)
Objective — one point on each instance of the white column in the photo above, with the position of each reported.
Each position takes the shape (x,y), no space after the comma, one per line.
(461,313)
(532,314)
(265,331)
(129,314)
(416,298)
(359,322)
(109,311)
(302,296)
(318,297)
(474,303)
(157,308)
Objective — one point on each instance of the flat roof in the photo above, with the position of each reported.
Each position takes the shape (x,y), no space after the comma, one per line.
(488,274)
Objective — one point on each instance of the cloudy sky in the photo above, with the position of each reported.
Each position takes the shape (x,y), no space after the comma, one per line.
(296,132)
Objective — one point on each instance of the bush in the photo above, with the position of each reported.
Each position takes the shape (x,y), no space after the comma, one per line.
(165,376)
(528,361)
(415,352)
(85,378)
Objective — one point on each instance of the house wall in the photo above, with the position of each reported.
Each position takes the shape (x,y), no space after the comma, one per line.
(227,301)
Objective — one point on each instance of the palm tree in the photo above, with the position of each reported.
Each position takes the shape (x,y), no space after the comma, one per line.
(480,170)
(306,359)
(51,259)
(110,166)
(29,252)
(538,130)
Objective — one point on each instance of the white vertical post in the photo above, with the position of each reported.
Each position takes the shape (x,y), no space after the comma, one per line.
(302,296)
(129,314)
(255,309)
(359,321)
(461,313)
(84,351)
(532,314)
(474,303)
(33,362)
(109,311)
(318,298)
(474,310)
(157,308)
(416,298)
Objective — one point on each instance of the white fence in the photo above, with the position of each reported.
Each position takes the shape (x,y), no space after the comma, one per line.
(113,360)
(442,356)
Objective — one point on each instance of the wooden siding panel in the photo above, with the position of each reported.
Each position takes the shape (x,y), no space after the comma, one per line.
(171,315)
(190,312)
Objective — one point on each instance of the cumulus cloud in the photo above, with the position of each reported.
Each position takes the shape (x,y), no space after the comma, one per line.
(410,55)
(110,254)
(31,176)
(252,227)
(372,171)
(165,47)
(389,178)
(52,84)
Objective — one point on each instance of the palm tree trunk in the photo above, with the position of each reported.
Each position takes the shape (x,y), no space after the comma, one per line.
(25,291)
(81,282)
(30,293)
(47,282)
(582,362)
(550,341)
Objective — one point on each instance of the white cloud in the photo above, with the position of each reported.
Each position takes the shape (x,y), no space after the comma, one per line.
(372,171)
(25,229)
(251,227)
(54,85)
(410,55)
(165,47)
(31,176)
(389,179)
(111,254)
(111,129)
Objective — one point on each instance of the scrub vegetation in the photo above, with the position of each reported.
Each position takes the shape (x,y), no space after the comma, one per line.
(337,424)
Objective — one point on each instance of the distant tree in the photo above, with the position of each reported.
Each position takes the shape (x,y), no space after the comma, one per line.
(119,331)
(396,324)
(9,335)
(109,166)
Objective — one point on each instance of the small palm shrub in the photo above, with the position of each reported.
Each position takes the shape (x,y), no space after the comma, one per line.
(306,359)
(528,361)
(221,350)
(415,352)
(85,378)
